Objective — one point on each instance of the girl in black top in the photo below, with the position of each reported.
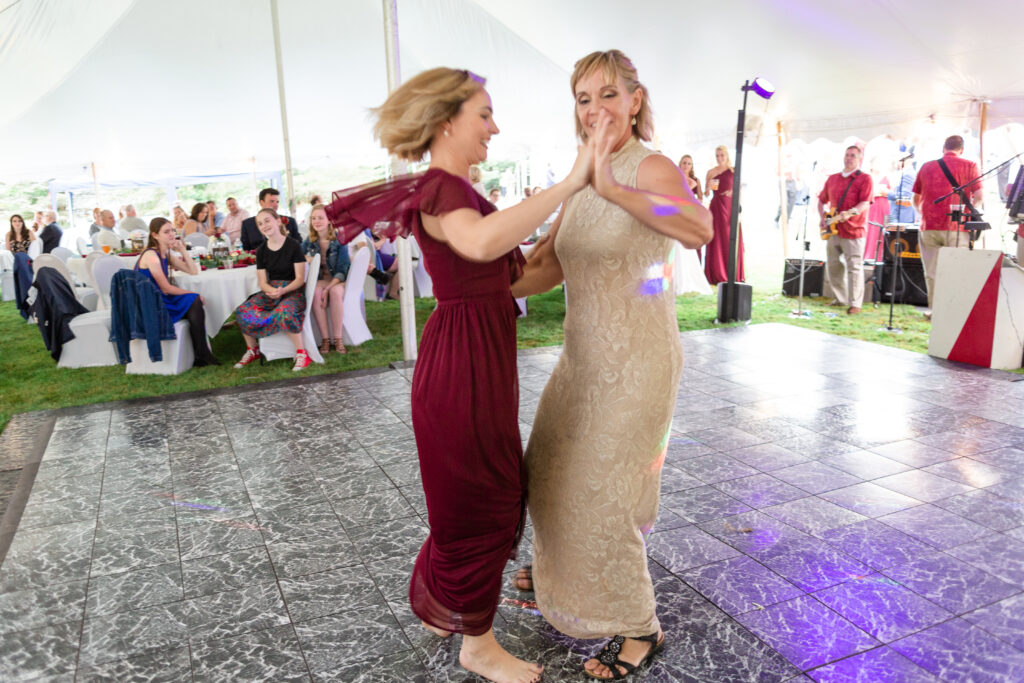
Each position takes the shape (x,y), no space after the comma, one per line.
(280,305)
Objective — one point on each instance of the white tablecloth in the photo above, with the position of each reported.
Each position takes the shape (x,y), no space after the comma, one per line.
(76,266)
(222,290)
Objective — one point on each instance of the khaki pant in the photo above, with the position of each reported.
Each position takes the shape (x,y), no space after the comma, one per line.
(930,241)
(847,280)
(1020,251)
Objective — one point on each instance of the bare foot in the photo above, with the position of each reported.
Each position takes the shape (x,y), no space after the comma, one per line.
(633,651)
(435,630)
(482,655)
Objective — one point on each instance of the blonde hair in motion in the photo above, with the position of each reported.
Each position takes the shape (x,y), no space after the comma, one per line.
(615,65)
(410,116)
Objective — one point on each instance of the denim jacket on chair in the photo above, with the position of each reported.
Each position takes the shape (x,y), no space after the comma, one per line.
(137,311)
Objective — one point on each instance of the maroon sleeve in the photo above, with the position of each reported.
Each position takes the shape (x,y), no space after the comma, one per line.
(444,193)
(972,171)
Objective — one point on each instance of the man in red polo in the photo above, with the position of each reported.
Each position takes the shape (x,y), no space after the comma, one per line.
(849,193)
(937,230)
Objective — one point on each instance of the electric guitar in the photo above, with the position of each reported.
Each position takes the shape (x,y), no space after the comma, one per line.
(832,220)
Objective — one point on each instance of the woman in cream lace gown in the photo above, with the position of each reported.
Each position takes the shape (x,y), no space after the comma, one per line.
(599,439)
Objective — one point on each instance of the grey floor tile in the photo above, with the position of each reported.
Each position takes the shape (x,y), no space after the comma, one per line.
(813,515)
(272,655)
(1003,619)
(935,526)
(169,666)
(740,584)
(815,477)
(950,583)
(48,651)
(135,589)
(236,569)
(112,637)
(332,642)
(881,607)
(870,499)
(221,615)
(37,607)
(957,651)
(338,590)
(880,665)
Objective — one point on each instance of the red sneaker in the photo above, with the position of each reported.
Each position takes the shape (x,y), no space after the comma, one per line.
(302,361)
(250,356)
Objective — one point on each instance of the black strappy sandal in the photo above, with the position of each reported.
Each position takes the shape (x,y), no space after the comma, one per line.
(523,575)
(609,656)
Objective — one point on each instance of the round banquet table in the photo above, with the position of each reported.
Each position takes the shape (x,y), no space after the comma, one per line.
(222,291)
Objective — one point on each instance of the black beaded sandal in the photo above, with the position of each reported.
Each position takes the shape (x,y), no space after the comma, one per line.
(524,576)
(609,656)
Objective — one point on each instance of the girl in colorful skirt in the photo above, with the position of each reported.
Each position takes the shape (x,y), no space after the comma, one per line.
(280,305)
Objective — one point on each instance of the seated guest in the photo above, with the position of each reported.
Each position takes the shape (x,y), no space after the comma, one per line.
(388,266)
(20,236)
(131,221)
(330,284)
(280,305)
(51,234)
(198,219)
(179,218)
(216,216)
(252,237)
(107,222)
(232,224)
(37,222)
(96,225)
(165,247)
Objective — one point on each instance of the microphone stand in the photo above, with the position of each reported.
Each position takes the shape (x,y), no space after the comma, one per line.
(898,243)
(800,312)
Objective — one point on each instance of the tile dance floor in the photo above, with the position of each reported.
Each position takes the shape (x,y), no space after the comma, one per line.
(831,510)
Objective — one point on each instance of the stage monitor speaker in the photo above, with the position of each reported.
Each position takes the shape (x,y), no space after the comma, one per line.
(814,277)
(907,239)
(910,287)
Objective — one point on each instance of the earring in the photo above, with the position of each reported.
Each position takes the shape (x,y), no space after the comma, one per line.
(633,122)
(446,132)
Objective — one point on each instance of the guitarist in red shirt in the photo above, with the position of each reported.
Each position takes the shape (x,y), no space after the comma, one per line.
(848,196)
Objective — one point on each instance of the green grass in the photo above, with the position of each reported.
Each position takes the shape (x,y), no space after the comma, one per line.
(32,381)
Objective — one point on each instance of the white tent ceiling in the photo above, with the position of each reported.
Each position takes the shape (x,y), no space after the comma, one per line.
(151,88)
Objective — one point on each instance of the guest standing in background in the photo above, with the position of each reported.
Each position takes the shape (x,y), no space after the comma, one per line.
(19,237)
(716,254)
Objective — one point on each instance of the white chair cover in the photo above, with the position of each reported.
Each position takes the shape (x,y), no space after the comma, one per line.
(63,253)
(86,295)
(83,246)
(103,268)
(36,248)
(7,274)
(178,355)
(423,285)
(353,322)
(278,345)
(369,284)
(91,346)
(198,239)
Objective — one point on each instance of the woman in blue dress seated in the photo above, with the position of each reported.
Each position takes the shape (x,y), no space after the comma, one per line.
(165,248)
(280,305)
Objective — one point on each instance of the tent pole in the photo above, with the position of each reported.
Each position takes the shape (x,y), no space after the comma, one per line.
(982,125)
(398,167)
(284,109)
(95,186)
(783,206)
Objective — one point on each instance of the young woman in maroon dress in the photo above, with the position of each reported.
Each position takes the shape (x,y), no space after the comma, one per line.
(716,254)
(465,392)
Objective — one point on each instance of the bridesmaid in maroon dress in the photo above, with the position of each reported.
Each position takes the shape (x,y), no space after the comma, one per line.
(716,254)
(465,390)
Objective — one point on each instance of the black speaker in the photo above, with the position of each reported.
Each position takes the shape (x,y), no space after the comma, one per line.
(814,277)
(910,287)
(906,240)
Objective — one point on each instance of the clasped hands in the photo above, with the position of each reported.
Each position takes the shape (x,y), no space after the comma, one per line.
(593,161)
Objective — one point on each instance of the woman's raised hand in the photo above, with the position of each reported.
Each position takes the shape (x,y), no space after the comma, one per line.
(582,169)
(603,139)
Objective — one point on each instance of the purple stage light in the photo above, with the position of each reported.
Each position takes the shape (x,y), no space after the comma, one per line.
(763,87)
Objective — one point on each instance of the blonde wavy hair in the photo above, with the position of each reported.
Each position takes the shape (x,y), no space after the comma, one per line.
(314,236)
(724,150)
(615,65)
(410,116)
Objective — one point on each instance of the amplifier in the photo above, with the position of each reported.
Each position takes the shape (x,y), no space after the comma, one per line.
(910,288)
(906,240)
(814,277)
